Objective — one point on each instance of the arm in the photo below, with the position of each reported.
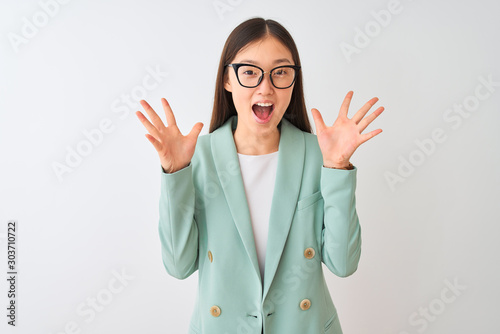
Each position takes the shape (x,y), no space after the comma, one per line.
(178,229)
(177,226)
(341,235)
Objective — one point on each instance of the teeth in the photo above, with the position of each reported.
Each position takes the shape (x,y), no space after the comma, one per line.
(264,104)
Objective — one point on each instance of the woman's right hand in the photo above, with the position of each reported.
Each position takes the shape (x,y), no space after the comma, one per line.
(174,149)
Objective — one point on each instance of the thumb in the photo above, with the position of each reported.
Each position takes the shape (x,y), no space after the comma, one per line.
(195,131)
(318,120)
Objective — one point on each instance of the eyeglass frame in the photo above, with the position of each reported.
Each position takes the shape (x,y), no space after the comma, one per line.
(236,66)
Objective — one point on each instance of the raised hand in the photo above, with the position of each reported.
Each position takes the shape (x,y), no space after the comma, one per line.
(339,141)
(174,149)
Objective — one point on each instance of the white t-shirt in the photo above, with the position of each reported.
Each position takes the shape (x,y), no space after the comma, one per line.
(259,175)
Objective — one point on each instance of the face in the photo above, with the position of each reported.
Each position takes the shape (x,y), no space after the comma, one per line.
(260,109)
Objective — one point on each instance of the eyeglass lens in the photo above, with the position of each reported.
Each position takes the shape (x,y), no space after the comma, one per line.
(281,77)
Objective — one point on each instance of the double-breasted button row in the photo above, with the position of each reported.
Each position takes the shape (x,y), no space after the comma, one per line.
(309,253)
(215,311)
(305,304)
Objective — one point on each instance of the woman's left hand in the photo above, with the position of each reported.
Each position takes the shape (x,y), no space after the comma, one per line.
(339,141)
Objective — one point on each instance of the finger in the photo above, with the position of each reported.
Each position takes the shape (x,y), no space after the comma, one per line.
(362,112)
(152,114)
(318,120)
(168,112)
(369,135)
(344,108)
(195,131)
(158,146)
(150,127)
(367,120)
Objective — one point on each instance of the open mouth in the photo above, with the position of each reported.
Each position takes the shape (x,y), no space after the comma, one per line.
(262,112)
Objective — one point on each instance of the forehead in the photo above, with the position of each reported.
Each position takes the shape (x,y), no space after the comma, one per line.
(264,51)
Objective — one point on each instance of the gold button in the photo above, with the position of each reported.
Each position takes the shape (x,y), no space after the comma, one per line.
(309,253)
(210,257)
(305,304)
(215,311)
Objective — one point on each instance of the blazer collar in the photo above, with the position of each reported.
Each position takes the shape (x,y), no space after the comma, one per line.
(286,190)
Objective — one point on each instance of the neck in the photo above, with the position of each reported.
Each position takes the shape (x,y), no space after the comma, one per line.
(252,144)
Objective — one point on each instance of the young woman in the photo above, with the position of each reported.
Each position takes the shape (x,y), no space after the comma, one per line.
(259,203)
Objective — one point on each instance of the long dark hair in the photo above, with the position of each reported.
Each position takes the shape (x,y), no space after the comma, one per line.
(247,32)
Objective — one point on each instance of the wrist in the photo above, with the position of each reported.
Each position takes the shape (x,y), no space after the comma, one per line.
(336,163)
(173,170)
(345,166)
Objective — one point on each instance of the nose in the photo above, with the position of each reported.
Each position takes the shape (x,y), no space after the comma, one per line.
(266,87)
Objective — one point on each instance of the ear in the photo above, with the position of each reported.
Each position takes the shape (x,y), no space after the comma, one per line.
(227,84)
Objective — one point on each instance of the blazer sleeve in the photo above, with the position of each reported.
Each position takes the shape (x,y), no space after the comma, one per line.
(341,234)
(177,226)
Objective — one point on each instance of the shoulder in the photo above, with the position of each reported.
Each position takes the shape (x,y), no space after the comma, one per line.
(203,147)
(204,140)
(306,151)
(219,137)
(313,155)
(311,141)
(312,149)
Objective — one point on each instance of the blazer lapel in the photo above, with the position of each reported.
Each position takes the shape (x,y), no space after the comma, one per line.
(225,159)
(285,196)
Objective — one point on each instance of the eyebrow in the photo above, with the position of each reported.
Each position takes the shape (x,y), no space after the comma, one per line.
(277,61)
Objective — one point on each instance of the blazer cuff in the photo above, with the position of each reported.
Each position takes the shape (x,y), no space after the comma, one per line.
(163,171)
(171,182)
(331,177)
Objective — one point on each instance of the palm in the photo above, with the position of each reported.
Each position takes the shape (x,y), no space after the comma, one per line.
(339,141)
(174,149)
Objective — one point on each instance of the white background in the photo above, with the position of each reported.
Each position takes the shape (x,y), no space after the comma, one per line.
(437,223)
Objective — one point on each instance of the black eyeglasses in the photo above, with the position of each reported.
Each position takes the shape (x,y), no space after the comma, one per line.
(250,76)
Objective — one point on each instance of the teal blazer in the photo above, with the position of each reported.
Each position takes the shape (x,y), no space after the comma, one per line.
(204,225)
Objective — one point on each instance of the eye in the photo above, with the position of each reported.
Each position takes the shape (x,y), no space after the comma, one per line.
(280,72)
(249,72)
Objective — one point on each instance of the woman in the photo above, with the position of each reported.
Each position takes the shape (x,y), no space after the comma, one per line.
(260,202)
